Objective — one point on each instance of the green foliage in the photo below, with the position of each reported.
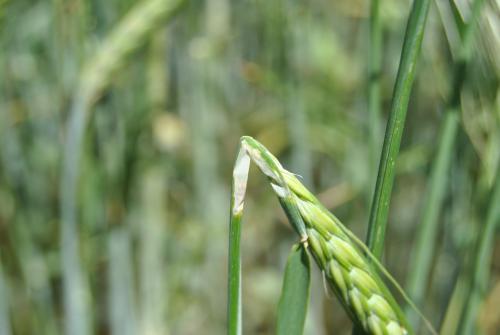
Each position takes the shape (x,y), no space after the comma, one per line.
(124,116)
(292,308)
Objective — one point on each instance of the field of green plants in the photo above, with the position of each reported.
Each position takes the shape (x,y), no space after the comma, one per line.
(120,125)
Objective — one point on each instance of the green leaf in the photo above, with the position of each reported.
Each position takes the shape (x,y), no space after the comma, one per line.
(457,17)
(292,308)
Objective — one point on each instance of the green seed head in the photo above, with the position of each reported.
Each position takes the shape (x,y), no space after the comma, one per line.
(347,269)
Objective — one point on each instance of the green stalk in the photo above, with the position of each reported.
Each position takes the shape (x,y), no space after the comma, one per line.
(374,71)
(451,320)
(481,270)
(427,231)
(234,274)
(240,178)
(402,89)
(374,99)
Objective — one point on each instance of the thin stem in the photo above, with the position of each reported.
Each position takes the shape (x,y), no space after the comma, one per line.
(239,184)
(234,275)
(394,131)
(481,271)
(427,230)
(374,99)
(374,71)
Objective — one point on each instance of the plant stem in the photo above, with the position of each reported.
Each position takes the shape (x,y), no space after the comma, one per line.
(394,131)
(234,275)
(374,71)
(427,230)
(374,100)
(481,270)
(238,188)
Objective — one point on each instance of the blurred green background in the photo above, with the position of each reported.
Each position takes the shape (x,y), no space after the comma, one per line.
(126,232)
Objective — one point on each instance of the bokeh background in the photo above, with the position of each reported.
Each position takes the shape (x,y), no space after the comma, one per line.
(138,244)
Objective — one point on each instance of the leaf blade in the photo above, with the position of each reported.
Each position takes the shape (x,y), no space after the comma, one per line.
(292,308)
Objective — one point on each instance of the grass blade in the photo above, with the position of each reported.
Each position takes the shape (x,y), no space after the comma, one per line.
(457,17)
(401,95)
(294,298)
(481,270)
